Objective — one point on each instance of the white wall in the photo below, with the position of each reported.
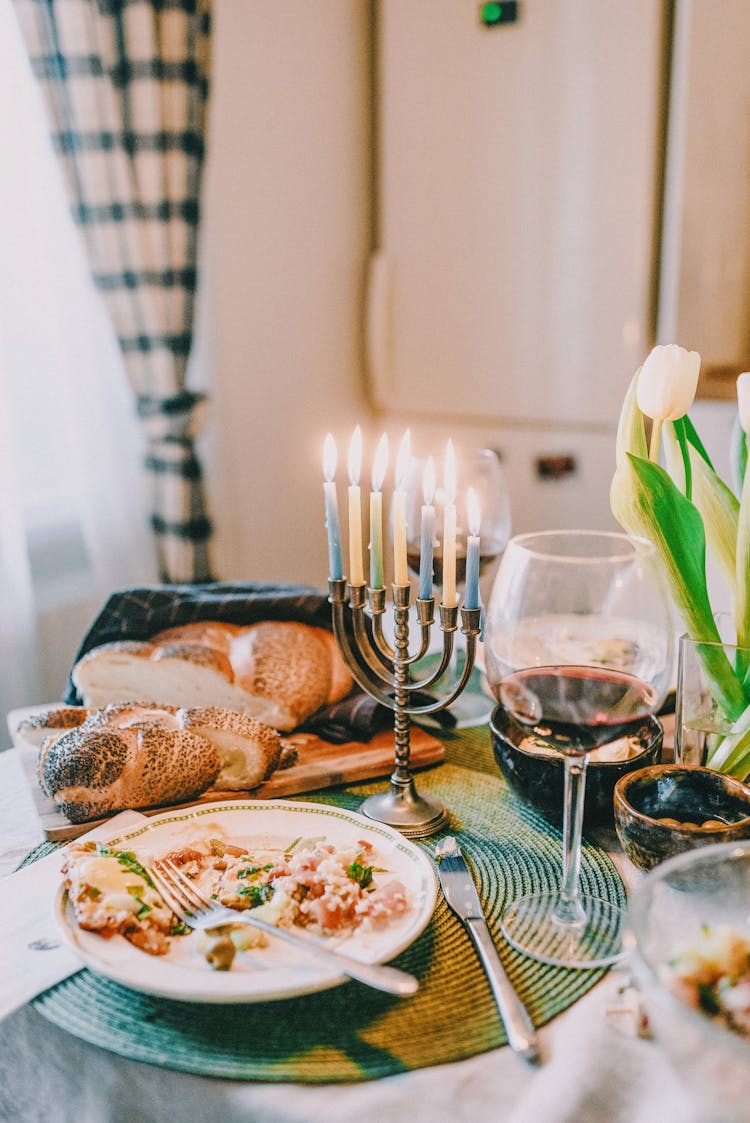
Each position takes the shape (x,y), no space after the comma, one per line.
(286,239)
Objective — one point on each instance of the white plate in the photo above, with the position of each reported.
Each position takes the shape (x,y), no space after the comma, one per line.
(276,971)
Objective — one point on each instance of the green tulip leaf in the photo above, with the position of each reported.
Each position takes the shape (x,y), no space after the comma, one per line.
(631,432)
(678,428)
(742,570)
(720,512)
(695,440)
(646,502)
(738,453)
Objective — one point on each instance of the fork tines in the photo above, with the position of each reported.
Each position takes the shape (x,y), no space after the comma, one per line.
(179,892)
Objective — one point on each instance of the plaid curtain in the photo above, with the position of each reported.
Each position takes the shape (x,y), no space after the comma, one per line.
(126,85)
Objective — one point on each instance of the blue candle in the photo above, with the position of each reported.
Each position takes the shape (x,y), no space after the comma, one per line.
(471,592)
(335,565)
(428,531)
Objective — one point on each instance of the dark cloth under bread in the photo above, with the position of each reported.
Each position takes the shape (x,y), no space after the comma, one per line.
(139,614)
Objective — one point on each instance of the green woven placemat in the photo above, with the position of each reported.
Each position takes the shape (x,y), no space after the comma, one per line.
(352,1033)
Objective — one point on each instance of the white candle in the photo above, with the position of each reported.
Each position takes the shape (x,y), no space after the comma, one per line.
(335,567)
(428,530)
(471,592)
(400,568)
(356,567)
(380,464)
(449,528)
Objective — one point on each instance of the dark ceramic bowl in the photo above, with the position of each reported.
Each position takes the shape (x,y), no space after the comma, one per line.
(539,778)
(689,796)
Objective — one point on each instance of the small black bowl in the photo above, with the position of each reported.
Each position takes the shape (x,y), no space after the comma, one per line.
(539,777)
(689,796)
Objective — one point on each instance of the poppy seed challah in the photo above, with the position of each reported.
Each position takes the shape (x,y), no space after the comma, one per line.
(144,755)
(280,672)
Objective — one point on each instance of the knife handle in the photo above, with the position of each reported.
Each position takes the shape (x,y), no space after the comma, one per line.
(522,1036)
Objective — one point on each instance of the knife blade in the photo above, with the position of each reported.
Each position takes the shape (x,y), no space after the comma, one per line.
(461,894)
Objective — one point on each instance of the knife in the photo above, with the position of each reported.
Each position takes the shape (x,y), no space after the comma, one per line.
(461,894)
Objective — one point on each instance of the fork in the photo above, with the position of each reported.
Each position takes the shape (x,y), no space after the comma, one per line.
(198,911)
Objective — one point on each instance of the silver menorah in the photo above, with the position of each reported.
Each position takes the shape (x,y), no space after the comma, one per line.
(384,671)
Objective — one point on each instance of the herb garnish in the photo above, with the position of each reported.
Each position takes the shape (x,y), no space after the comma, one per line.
(127,859)
(256,894)
(360,873)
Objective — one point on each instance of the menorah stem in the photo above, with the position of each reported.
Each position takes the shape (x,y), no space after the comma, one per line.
(403,807)
(401,720)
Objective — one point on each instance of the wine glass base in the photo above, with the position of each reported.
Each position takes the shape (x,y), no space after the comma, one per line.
(530,925)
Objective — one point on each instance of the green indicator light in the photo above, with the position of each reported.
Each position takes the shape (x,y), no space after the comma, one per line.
(492,13)
(502,11)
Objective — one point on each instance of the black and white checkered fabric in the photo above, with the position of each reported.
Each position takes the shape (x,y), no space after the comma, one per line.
(126,84)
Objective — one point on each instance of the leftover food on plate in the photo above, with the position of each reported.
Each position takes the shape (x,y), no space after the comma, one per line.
(711,973)
(280,672)
(140,754)
(312,884)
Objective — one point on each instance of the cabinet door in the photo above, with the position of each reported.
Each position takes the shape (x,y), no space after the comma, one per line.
(517,189)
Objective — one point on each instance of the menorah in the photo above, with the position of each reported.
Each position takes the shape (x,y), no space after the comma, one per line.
(384,671)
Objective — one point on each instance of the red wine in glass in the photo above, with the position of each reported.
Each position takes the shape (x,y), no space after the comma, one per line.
(573,709)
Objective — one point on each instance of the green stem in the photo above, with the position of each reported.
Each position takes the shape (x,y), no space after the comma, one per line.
(725,686)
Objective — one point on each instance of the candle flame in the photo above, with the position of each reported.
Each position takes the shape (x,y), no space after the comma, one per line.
(355,456)
(403,460)
(380,464)
(428,481)
(474,516)
(449,472)
(329,458)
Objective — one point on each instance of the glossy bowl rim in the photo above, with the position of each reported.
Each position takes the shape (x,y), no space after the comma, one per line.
(559,760)
(635,916)
(691,829)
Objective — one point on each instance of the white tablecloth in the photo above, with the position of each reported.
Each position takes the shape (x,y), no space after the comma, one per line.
(592,1073)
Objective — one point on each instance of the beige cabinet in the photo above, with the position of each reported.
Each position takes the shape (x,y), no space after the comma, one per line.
(517,189)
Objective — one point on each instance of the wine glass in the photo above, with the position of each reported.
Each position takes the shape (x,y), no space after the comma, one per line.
(480,469)
(578,648)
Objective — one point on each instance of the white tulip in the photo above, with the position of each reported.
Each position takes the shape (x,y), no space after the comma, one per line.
(743,400)
(668,382)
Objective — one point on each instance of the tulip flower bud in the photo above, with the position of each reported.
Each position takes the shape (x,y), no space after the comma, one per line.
(743,400)
(668,382)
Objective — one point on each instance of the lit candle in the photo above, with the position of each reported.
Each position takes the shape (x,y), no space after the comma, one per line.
(471,592)
(449,528)
(400,571)
(380,464)
(335,568)
(356,569)
(428,530)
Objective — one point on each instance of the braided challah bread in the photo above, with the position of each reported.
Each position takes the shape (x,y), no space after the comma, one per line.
(280,672)
(144,755)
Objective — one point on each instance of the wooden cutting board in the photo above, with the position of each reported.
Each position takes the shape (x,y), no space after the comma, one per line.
(319,765)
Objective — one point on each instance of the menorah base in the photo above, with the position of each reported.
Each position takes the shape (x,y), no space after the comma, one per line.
(413,815)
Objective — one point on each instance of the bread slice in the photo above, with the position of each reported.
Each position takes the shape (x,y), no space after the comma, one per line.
(249,751)
(36,729)
(178,674)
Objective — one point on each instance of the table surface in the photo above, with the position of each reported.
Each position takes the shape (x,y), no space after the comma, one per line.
(592,1072)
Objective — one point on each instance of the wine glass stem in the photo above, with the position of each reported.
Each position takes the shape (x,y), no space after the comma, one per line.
(570,911)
